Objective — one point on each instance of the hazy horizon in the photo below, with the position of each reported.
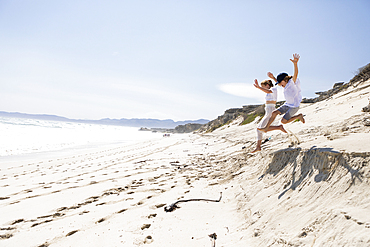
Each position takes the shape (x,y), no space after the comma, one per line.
(8,114)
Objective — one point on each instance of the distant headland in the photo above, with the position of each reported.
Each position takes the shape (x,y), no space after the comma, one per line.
(133,122)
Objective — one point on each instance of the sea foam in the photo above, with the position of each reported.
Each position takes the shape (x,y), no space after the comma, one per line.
(24,136)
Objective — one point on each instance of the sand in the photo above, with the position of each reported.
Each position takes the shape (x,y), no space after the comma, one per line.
(309,188)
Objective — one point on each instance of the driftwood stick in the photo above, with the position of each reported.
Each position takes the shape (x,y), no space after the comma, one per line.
(173,206)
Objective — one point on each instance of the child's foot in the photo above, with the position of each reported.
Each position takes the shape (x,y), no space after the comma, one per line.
(301,118)
(263,129)
(256,150)
(281,127)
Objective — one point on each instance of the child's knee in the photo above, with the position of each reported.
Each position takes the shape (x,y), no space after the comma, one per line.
(275,113)
(284,121)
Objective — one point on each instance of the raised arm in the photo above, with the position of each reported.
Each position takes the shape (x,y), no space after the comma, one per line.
(270,75)
(261,88)
(295,63)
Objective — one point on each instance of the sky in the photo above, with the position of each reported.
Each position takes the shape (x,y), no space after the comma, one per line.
(180,60)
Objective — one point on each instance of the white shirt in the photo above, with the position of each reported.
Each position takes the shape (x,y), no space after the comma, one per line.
(292,93)
(272,96)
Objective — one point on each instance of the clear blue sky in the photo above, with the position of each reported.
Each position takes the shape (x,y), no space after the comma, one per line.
(176,60)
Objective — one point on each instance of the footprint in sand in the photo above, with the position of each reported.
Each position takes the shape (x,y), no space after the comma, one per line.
(17,221)
(39,223)
(71,233)
(148,240)
(6,236)
(152,216)
(100,221)
(84,212)
(145,226)
(122,211)
(160,205)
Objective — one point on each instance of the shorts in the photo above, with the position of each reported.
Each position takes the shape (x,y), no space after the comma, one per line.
(287,111)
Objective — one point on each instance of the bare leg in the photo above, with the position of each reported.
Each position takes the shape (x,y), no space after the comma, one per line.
(280,127)
(271,128)
(258,148)
(299,116)
(272,118)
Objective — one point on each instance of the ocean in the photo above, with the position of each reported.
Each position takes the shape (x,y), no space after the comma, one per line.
(20,136)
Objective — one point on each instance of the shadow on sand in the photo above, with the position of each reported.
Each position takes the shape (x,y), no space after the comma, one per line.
(304,164)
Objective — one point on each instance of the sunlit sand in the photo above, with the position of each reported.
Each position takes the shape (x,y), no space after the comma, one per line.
(309,187)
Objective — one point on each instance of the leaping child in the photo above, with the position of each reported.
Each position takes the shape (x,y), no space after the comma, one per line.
(271,97)
(292,94)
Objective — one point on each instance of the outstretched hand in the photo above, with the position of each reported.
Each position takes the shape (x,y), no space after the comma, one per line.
(295,58)
(256,84)
(271,76)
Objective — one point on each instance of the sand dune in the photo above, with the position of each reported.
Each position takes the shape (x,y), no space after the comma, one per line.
(309,188)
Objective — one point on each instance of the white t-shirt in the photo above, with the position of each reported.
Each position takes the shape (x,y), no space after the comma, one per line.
(272,96)
(292,93)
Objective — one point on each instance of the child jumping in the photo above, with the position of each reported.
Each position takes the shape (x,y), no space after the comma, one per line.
(271,97)
(292,94)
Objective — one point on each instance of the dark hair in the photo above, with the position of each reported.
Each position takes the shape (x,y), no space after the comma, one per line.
(287,78)
(280,77)
(268,82)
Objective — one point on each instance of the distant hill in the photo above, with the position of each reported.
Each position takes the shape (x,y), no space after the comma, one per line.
(134,122)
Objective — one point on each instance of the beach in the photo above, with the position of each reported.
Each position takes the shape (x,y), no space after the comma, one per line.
(113,197)
(308,188)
